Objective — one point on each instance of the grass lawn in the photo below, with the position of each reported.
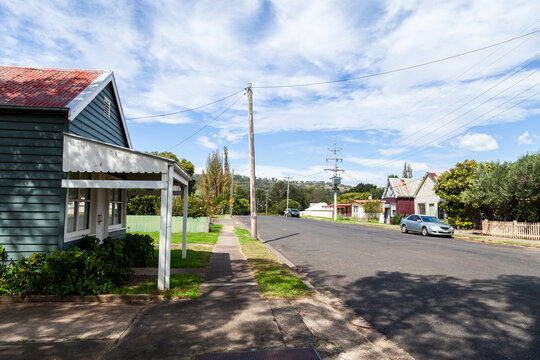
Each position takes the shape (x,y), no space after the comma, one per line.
(209,238)
(196,257)
(183,286)
(274,279)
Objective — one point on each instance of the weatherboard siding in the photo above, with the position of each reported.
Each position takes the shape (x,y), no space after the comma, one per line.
(92,123)
(32,203)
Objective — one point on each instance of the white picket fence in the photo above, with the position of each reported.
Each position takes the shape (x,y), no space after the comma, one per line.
(511,229)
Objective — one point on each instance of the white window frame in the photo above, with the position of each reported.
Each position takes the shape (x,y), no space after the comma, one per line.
(122,202)
(77,234)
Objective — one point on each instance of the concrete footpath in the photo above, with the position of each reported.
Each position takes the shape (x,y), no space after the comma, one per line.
(230,315)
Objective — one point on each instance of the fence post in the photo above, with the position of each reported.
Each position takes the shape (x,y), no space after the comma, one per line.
(515,228)
(484,227)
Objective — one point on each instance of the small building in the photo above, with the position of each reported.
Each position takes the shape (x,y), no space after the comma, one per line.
(357,208)
(425,200)
(66,163)
(398,197)
(317,209)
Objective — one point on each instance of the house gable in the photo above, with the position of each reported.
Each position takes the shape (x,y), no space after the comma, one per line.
(93,122)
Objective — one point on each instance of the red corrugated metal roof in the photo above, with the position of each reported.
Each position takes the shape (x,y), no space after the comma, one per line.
(21,86)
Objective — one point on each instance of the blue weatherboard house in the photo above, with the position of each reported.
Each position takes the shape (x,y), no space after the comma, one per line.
(66,163)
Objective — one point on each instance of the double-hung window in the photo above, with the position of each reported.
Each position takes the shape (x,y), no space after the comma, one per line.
(78,211)
(115,207)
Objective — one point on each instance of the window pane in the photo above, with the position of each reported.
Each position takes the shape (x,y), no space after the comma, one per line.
(83,216)
(117,194)
(117,213)
(111,213)
(72,194)
(71,216)
(84,194)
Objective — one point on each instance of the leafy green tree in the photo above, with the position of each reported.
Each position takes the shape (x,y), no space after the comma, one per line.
(186,165)
(507,191)
(451,184)
(353,196)
(280,207)
(375,191)
(372,208)
(524,185)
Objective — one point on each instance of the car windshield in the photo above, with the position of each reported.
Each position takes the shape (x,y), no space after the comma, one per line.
(430,219)
(294,210)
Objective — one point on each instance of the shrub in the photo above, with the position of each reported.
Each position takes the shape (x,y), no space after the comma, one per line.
(139,249)
(396,219)
(23,277)
(96,269)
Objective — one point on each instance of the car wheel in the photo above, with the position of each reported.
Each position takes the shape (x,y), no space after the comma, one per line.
(404,228)
(424,231)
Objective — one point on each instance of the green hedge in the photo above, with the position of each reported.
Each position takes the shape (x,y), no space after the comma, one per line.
(93,268)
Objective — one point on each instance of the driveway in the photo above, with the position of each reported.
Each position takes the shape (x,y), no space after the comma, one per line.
(438,298)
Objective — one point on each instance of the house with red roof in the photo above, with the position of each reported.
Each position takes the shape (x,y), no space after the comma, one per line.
(67,161)
(398,197)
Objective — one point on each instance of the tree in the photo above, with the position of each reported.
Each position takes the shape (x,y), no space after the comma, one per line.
(375,191)
(507,191)
(372,208)
(151,204)
(280,207)
(186,165)
(451,184)
(216,180)
(393,176)
(407,171)
(353,196)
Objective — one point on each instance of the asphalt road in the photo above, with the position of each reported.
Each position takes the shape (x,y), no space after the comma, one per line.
(438,298)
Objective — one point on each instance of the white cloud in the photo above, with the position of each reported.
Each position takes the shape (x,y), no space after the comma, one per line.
(235,155)
(478,142)
(525,138)
(205,142)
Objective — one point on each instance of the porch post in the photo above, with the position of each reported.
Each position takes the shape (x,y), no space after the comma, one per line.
(184,221)
(164,267)
(162,236)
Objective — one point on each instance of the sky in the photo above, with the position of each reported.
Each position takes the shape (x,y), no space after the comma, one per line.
(172,56)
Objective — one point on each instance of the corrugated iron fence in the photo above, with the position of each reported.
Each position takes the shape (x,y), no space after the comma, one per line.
(150,223)
(512,229)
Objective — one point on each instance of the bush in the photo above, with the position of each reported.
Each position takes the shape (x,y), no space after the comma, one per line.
(24,276)
(139,249)
(95,268)
(396,219)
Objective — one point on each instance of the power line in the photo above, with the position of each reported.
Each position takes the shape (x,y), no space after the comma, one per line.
(187,110)
(206,125)
(470,110)
(459,132)
(399,69)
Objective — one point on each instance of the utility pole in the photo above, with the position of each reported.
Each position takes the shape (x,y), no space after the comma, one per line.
(231,196)
(266,202)
(336,179)
(253,199)
(288,178)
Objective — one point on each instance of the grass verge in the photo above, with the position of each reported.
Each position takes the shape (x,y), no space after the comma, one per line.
(209,238)
(183,286)
(196,257)
(274,279)
(342,220)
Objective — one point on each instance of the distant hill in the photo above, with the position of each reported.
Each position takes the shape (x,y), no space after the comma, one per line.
(266,184)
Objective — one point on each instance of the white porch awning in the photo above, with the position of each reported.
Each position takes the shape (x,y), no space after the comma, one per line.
(86,155)
(143,171)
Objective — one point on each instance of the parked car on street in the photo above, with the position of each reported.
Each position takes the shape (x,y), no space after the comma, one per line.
(292,213)
(426,225)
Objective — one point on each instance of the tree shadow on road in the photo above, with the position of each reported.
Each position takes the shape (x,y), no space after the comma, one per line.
(441,317)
